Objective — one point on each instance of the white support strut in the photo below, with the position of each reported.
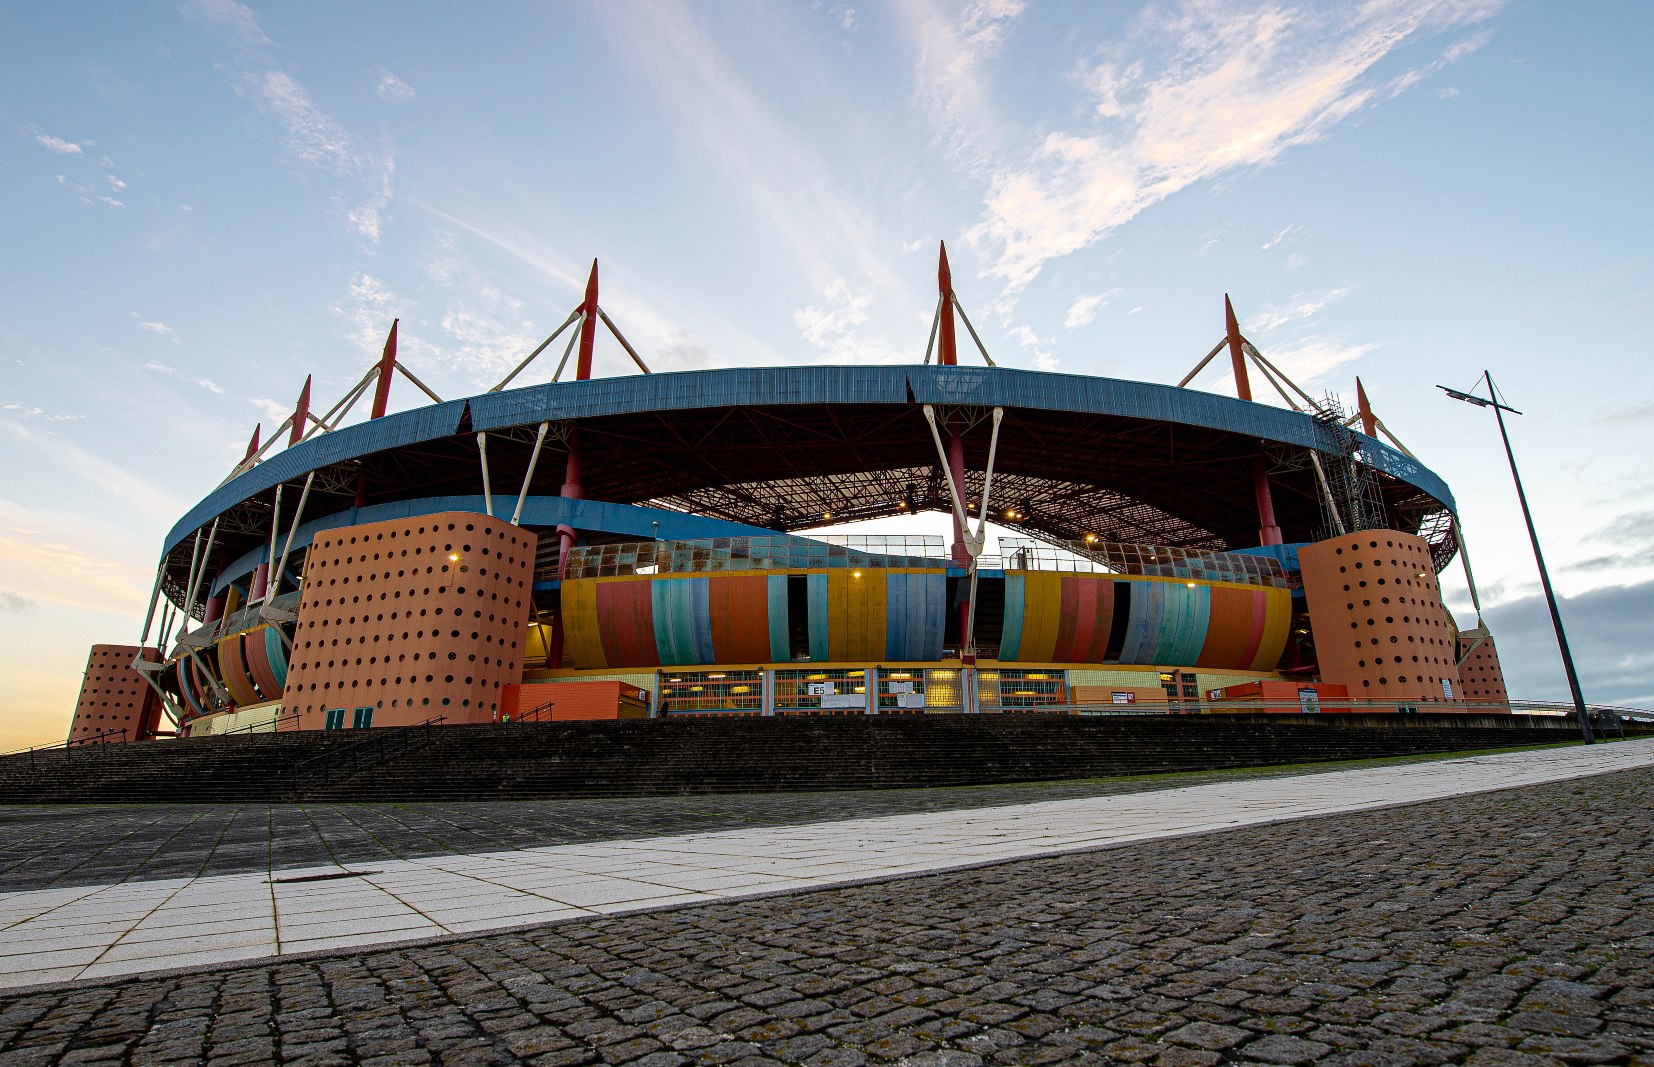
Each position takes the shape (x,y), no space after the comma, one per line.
(973,540)
(487,491)
(567,350)
(281,567)
(518,369)
(528,476)
(275,530)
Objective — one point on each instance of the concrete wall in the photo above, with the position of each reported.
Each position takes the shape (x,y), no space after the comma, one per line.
(414,618)
(1380,628)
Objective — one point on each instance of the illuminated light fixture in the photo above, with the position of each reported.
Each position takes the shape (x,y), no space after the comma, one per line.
(1090,537)
(742,689)
(826,514)
(855,574)
(817,678)
(454,557)
(1191,585)
(717,676)
(697,688)
(1036,677)
(901,674)
(861,689)
(854,674)
(674,679)
(902,505)
(1422,574)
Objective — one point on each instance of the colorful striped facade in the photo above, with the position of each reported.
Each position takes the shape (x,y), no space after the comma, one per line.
(1097,618)
(665,621)
(900,615)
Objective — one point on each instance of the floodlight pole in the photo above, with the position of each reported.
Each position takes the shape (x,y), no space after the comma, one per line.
(1539,557)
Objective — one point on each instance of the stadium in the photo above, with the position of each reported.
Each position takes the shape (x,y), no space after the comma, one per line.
(653,545)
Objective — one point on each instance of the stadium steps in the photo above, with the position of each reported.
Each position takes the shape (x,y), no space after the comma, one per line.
(714,754)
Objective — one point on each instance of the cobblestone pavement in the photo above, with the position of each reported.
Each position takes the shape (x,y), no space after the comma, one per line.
(60,846)
(1502,928)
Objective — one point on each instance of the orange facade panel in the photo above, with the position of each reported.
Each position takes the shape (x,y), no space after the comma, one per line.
(115,701)
(1279,696)
(410,619)
(1380,627)
(1481,678)
(574,701)
(740,614)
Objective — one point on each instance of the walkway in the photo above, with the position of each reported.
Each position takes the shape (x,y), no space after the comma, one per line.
(102,931)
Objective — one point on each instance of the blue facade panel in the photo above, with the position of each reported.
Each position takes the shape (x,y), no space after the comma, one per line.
(781,646)
(816,584)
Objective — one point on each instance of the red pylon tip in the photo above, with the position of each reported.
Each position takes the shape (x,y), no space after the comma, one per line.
(944,275)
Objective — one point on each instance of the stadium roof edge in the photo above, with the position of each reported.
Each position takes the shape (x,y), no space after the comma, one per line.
(954,386)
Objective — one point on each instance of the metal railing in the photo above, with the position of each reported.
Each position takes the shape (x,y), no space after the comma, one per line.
(533,715)
(274,725)
(100,739)
(353,758)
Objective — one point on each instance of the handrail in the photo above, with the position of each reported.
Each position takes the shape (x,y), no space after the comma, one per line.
(68,745)
(533,714)
(249,728)
(367,752)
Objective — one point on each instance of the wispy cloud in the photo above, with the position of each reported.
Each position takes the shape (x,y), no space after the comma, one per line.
(368,309)
(158,327)
(1315,357)
(1237,85)
(35,411)
(834,327)
(772,167)
(121,485)
(1302,306)
(236,20)
(1629,416)
(1632,537)
(59,145)
(56,560)
(155,366)
(1083,311)
(952,51)
(394,90)
(310,135)
(1283,234)
(273,410)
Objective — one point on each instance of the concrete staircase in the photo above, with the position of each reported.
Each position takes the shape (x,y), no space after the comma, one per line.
(721,754)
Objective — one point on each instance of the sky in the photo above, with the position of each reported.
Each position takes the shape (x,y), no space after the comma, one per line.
(208,200)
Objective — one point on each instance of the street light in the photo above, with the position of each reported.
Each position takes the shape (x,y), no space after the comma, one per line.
(1539,557)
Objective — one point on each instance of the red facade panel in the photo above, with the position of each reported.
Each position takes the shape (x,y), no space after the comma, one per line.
(626,623)
(740,610)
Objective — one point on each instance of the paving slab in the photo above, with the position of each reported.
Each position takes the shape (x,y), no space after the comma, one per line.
(44,846)
(333,907)
(1513,926)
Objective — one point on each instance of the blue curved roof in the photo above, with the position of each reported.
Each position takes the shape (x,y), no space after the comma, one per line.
(827,385)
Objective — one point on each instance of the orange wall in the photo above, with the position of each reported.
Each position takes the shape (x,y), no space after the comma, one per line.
(1481,679)
(113,696)
(576,701)
(1376,610)
(390,620)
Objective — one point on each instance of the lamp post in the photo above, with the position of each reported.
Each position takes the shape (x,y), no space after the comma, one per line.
(1539,557)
